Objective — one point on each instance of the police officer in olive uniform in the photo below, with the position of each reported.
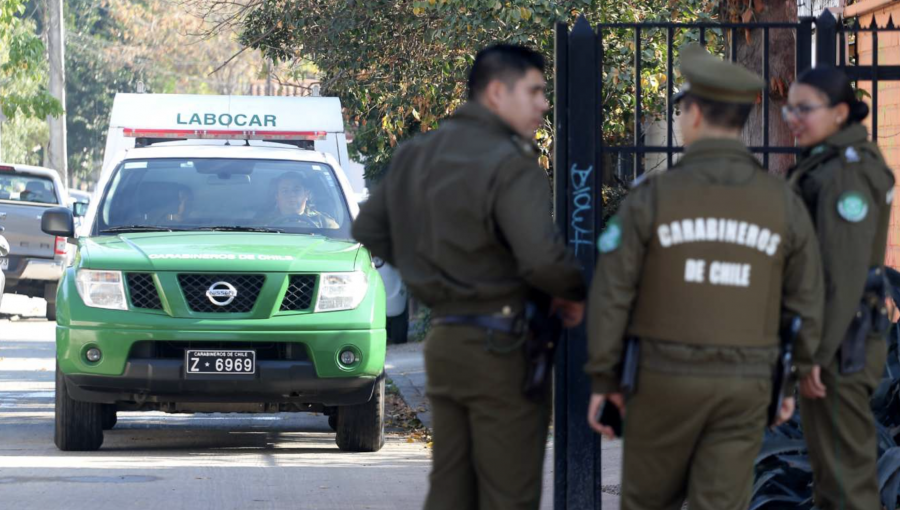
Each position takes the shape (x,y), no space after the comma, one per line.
(700,264)
(848,189)
(464,214)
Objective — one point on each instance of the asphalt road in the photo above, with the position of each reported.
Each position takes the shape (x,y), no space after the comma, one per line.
(193,462)
(169,462)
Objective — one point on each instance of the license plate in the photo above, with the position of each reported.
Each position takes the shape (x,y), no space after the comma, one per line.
(4,264)
(220,362)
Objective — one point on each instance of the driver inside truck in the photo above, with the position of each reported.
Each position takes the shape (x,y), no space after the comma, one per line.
(294,204)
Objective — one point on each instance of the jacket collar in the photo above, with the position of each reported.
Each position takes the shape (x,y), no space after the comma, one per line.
(715,148)
(722,150)
(850,135)
(475,111)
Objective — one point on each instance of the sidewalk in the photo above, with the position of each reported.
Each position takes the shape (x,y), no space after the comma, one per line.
(405,366)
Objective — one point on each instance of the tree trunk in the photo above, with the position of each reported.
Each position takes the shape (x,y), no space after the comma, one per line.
(782,61)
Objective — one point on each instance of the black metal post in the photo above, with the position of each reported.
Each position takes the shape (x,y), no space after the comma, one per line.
(874,84)
(826,37)
(804,45)
(765,96)
(638,100)
(578,464)
(734,45)
(670,105)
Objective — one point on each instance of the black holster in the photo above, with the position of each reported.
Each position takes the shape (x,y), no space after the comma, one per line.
(784,368)
(545,330)
(631,361)
(871,317)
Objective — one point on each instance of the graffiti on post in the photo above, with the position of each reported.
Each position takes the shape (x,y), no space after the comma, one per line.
(582,207)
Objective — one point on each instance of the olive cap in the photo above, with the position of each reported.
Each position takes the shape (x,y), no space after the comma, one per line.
(709,77)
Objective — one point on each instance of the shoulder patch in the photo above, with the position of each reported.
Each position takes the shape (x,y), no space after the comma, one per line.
(852,206)
(611,238)
(851,155)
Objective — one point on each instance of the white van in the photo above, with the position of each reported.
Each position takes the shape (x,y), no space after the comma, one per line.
(315,122)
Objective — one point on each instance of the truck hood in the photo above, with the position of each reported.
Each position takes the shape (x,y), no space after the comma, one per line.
(218,251)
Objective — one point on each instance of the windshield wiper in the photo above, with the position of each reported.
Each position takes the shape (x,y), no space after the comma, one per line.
(140,228)
(238,228)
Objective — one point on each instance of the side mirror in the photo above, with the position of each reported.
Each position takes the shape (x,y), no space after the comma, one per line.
(79,209)
(58,222)
(4,247)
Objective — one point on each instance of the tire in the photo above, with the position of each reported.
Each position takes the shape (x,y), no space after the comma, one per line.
(109,417)
(50,297)
(79,425)
(398,328)
(360,428)
(51,311)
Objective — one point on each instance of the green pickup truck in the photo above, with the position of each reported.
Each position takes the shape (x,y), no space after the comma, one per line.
(219,278)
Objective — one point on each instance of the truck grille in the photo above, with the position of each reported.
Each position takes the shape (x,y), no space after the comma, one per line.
(195,287)
(299,294)
(143,291)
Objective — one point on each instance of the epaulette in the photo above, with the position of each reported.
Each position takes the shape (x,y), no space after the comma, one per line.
(851,154)
(526,147)
(646,177)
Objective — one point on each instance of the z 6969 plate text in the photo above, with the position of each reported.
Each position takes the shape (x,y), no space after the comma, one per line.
(220,362)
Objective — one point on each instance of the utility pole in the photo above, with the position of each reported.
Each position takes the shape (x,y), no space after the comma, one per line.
(2,120)
(57,158)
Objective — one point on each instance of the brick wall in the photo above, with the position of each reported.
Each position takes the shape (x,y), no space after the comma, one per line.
(888,107)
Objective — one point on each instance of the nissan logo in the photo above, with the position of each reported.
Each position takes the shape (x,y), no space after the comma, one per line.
(221,293)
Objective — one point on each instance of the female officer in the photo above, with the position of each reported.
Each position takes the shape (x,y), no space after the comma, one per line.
(848,188)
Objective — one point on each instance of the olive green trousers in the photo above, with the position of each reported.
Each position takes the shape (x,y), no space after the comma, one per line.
(841,435)
(489,441)
(692,438)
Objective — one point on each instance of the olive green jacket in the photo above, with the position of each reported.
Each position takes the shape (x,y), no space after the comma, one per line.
(464,213)
(707,164)
(845,170)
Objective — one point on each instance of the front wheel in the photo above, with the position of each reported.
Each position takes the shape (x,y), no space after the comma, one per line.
(110,418)
(360,428)
(398,328)
(79,425)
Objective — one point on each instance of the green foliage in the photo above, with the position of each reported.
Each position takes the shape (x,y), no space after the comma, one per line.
(612,196)
(23,140)
(93,78)
(619,81)
(400,66)
(23,66)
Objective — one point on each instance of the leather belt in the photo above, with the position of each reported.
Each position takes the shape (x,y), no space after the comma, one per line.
(515,325)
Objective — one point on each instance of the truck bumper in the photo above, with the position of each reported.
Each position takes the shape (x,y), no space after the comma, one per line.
(164,381)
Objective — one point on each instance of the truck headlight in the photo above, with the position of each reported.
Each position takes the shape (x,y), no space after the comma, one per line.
(101,289)
(341,291)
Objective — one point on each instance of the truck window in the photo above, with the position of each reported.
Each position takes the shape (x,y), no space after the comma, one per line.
(18,187)
(202,194)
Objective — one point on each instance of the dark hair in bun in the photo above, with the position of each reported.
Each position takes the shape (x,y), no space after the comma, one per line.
(835,84)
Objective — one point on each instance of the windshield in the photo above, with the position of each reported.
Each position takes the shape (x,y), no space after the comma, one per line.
(27,188)
(224,194)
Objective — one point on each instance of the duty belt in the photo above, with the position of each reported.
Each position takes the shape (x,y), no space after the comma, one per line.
(515,325)
(871,318)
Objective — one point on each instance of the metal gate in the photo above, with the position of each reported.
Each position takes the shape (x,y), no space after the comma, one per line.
(582,160)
